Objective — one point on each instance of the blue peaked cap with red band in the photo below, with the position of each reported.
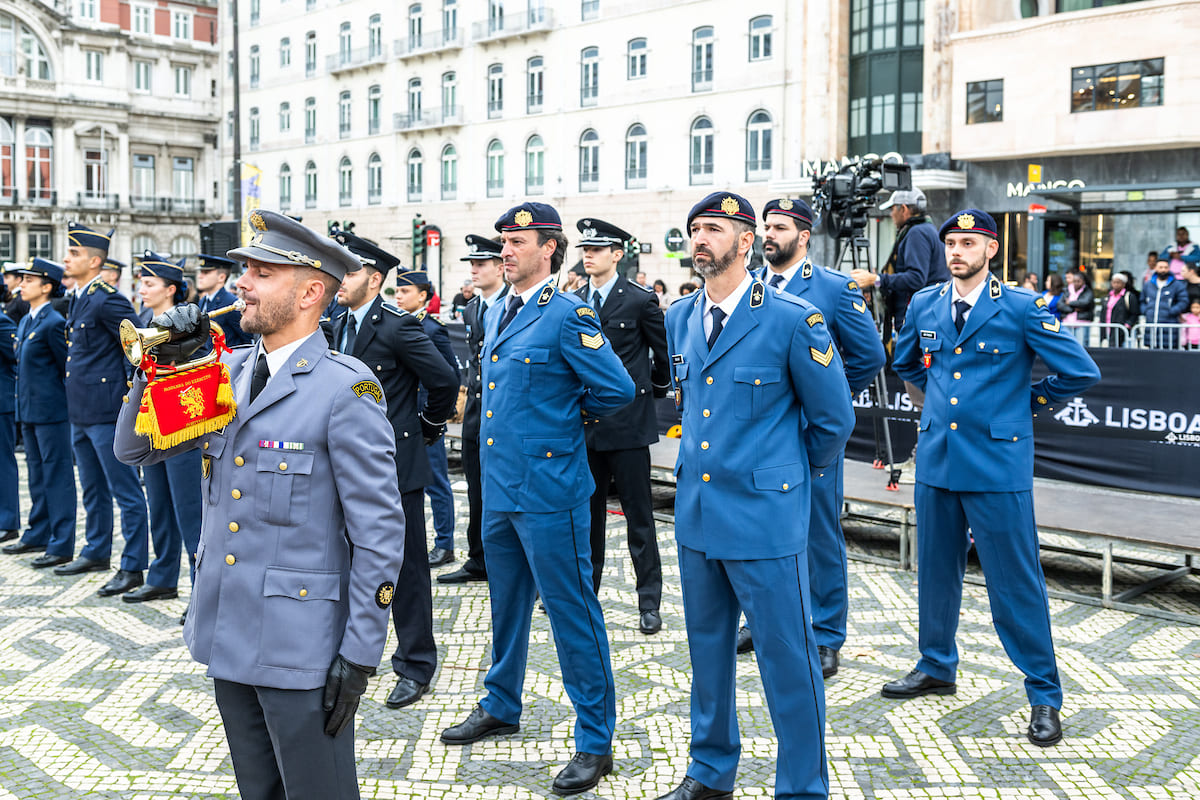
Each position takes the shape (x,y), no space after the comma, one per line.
(972,220)
(724,204)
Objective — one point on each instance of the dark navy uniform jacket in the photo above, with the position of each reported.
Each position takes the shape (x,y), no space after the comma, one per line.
(977,423)
(633,324)
(97,370)
(475,332)
(41,367)
(435,329)
(230,322)
(8,365)
(920,262)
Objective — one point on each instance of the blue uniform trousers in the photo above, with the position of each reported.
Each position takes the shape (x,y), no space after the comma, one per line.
(530,554)
(412,604)
(441,499)
(173,491)
(774,594)
(103,478)
(51,488)
(1006,539)
(10,498)
(827,556)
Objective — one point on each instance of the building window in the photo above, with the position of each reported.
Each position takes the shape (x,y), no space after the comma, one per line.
(495,91)
(95,173)
(183,247)
(495,16)
(40,243)
(985,102)
(39,152)
(344,42)
(94,65)
(911,107)
(143,17)
(21,51)
(535,93)
(181,24)
(183,183)
(589,9)
(702,59)
(635,157)
(255,66)
(8,141)
(449,20)
(449,172)
(374,104)
(344,114)
(758,146)
(589,161)
(414,27)
(374,37)
(374,179)
(142,72)
(8,247)
(495,168)
(183,81)
(912,27)
(700,163)
(414,101)
(143,182)
(535,165)
(310,54)
(310,120)
(1128,84)
(310,185)
(760,38)
(449,96)
(636,56)
(85,9)
(285,52)
(886,75)
(255,11)
(285,117)
(345,181)
(416,175)
(285,188)
(589,76)
(254,129)
(1062,6)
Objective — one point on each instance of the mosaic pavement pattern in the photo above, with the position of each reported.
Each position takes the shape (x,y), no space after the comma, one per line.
(99,699)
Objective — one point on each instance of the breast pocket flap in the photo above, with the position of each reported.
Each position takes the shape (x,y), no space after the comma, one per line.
(285,462)
(756,376)
(783,478)
(302,584)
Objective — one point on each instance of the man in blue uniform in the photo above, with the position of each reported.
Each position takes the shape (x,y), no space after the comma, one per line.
(487,275)
(787,226)
(211,276)
(392,344)
(618,446)
(748,366)
(95,377)
(42,414)
(970,347)
(545,363)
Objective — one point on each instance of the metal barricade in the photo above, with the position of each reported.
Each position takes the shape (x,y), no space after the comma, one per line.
(1166,336)
(1100,334)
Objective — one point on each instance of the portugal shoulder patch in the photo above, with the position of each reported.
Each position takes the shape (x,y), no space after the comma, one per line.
(586,311)
(368,387)
(383,595)
(592,341)
(814,318)
(825,358)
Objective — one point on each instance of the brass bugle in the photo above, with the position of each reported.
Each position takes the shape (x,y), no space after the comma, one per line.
(136,342)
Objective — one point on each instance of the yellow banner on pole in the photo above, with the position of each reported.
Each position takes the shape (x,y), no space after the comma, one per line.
(251,188)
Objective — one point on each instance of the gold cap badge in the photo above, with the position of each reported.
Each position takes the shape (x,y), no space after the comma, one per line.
(785,204)
(257,221)
(730,206)
(966,221)
(523,218)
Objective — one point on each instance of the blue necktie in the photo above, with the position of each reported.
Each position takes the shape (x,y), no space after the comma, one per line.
(960,319)
(718,318)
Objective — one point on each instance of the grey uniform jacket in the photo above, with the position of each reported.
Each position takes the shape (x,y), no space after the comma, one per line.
(292,484)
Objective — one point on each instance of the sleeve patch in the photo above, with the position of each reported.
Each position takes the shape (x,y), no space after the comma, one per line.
(852,286)
(825,358)
(1053,327)
(814,318)
(586,311)
(1040,302)
(592,341)
(859,307)
(368,387)
(383,595)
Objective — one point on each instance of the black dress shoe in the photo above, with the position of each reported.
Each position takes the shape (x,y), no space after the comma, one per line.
(1045,729)
(80,566)
(745,640)
(650,622)
(460,575)
(47,560)
(476,727)
(692,789)
(17,548)
(915,684)
(121,582)
(439,556)
(150,592)
(8,535)
(829,661)
(406,692)
(583,773)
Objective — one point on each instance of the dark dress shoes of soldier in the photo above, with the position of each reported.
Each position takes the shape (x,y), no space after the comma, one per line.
(80,566)
(745,640)
(583,773)
(829,661)
(150,592)
(461,575)
(406,692)
(6,536)
(476,727)
(692,789)
(17,548)
(1045,729)
(48,560)
(121,582)
(650,622)
(917,683)
(439,556)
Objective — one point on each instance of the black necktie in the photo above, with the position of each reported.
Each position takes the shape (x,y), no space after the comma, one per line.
(596,301)
(776,280)
(71,306)
(718,318)
(262,373)
(514,306)
(351,334)
(960,318)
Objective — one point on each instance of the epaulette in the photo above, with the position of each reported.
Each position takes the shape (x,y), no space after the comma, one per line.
(102,286)
(994,288)
(945,286)
(635,284)
(420,315)
(350,362)
(391,309)
(547,293)
(242,347)
(757,292)
(807,270)
(438,321)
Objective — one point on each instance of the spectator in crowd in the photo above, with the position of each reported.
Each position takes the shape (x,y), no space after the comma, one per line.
(1120,307)
(660,290)
(1151,260)
(686,288)
(1191,276)
(1030,282)
(1054,289)
(1076,305)
(1191,327)
(1164,298)
(1183,251)
(641,278)
(461,299)
(434,306)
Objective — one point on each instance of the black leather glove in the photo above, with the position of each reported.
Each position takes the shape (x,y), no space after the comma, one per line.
(429,431)
(189,328)
(344,685)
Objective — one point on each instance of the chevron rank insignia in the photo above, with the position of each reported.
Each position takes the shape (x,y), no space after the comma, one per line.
(592,341)
(859,307)
(545,296)
(1040,302)
(824,359)
(586,311)
(368,387)
(814,318)
(1052,326)
(756,295)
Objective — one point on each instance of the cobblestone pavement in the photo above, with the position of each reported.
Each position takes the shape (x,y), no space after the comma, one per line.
(99,698)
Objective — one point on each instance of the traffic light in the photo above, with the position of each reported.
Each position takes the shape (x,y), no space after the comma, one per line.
(348,226)
(632,258)
(418,241)
(332,227)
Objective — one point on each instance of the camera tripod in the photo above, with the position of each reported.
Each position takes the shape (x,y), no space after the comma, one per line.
(859,248)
